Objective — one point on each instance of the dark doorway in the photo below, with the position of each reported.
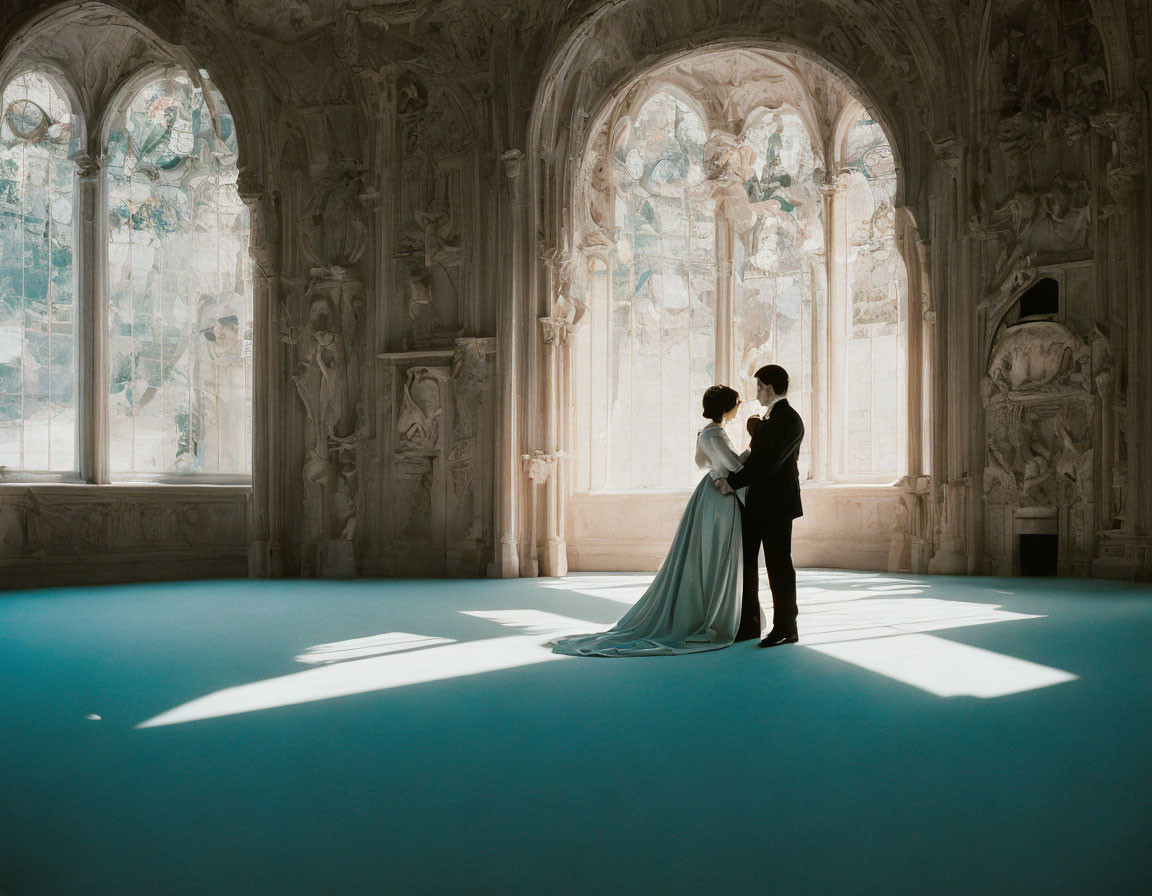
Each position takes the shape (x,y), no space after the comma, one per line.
(1042,298)
(1039,555)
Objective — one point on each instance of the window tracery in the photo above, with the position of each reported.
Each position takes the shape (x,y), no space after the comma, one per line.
(734,242)
(179,309)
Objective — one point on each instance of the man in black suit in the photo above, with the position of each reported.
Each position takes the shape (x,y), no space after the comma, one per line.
(772,475)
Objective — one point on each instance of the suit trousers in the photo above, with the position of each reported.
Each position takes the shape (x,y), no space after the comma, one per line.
(775,537)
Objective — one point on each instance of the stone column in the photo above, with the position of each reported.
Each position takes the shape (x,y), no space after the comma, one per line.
(725,367)
(538,468)
(265,535)
(555,332)
(831,346)
(506,562)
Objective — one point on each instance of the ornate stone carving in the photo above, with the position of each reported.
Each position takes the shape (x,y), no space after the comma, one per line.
(421,414)
(1040,407)
(1039,356)
(335,232)
(328,375)
(472,376)
(538,465)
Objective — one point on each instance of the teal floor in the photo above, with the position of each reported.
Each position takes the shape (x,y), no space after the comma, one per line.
(199,738)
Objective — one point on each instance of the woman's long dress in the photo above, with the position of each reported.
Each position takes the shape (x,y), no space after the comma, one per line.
(693,604)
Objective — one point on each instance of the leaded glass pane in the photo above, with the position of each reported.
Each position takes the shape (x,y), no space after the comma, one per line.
(876,284)
(778,258)
(180,310)
(37,314)
(661,336)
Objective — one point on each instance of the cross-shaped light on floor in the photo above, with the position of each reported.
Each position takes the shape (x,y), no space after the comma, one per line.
(870,621)
(878,622)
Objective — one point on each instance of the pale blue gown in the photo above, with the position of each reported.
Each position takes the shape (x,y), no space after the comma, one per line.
(693,604)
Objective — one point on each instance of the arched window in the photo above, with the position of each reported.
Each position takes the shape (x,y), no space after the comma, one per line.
(735,243)
(180,309)
(37,312)
(873,372)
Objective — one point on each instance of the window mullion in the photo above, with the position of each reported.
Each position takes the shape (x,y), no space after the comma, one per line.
(837,248)
(724,302)
(92,313)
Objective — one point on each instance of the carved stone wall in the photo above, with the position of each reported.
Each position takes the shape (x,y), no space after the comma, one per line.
(67,533)
(1042,413)
(437,458)
(414,175)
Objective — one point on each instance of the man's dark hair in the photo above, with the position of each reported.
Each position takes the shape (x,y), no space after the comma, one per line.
(718,401)
(775,376)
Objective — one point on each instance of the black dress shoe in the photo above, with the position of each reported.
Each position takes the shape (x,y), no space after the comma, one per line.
(747,636)
(775,638)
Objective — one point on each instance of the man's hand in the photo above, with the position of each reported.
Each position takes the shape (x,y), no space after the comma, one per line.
(725,488)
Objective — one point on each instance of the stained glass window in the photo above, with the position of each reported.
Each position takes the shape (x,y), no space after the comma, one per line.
(876,284)
(180,312)
(37,313)
(721,257)
(778,259)
(661,337)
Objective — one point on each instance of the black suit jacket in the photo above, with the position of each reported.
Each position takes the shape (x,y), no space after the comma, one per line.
(771,472)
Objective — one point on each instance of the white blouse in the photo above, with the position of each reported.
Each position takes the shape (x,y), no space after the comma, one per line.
(715,451)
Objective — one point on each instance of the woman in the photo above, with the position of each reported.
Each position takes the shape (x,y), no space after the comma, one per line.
(693,604)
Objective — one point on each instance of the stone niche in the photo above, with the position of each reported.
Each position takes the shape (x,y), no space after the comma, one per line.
(1042,415)
(436,457)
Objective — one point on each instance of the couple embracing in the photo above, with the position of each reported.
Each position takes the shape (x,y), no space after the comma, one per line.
(706,594)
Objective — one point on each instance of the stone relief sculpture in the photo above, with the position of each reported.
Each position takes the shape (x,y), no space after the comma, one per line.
(327,377)
(471,374)
(425,327)
(421,414)
(439,228)
(1041,401)
(1038,355)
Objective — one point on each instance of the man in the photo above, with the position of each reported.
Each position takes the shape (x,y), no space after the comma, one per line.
(772,475)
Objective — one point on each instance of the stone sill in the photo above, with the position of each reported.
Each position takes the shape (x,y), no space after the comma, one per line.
(175,489)
(833,489)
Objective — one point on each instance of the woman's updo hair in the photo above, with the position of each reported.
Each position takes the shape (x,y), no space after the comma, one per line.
(718,401)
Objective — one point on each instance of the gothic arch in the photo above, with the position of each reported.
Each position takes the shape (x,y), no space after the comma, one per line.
(570,119)
(62,38)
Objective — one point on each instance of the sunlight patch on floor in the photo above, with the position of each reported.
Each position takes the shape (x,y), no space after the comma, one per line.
(363,676)
(376,645)
(623,589)
(945,668)
(870,620)
(534,622)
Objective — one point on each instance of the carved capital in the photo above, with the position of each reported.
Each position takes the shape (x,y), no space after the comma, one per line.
(556,330)
(829,188)
(513,161)
(88,166)
(248,187)
(538,465)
